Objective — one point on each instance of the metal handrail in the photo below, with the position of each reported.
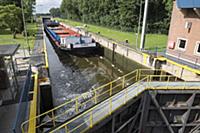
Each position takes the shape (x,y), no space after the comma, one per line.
(33,107)
(90,112)
(140,86)
(45,52)
(192,61)
(23,102)
(99,94)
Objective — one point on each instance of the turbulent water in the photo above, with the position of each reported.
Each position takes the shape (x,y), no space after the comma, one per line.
(72,75)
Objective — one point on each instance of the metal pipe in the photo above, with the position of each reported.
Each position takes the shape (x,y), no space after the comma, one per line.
(142,42)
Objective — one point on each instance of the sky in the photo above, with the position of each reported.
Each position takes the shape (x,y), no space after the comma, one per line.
(43,6)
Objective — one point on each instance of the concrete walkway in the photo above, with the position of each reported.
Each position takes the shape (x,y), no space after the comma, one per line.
(37,57)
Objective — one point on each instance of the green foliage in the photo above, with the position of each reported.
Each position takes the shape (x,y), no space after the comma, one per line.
(55,12)
(11,22)
(10,18)
(29,8)
(119,14)
(9,2)
(7,38)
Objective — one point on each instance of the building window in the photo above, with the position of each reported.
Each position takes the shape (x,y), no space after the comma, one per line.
(181,43)
(198,48)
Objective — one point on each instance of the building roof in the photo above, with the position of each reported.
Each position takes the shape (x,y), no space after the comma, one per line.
(8,50)
(188,3)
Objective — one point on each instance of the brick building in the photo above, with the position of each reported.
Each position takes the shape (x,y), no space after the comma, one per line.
(184,34)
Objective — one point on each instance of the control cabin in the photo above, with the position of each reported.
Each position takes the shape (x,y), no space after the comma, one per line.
(184,34)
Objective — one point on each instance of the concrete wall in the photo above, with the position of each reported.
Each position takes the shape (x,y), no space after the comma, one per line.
(141,58)
(121,49)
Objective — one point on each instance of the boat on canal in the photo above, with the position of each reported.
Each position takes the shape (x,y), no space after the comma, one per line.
(68,40)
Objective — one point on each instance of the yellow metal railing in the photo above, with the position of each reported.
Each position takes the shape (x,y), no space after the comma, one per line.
(88,116)
(94,115)
(197,71)
(33,107)
(45,52)
(79,104)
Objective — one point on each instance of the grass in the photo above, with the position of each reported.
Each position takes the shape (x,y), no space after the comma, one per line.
(7,38)
(153,41)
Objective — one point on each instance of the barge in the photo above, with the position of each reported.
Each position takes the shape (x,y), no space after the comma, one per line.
(68,40)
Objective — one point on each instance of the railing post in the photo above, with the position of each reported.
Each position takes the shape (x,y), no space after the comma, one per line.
(110,106)
(137,72)
(66,129)
(91,119)
(76,103)
(111,89)
(123,82)
(150,78)
(168,79)
(22,128)
(176,78)
(161,75)
(95,96)
(53,118)
(125,98)
(148,81)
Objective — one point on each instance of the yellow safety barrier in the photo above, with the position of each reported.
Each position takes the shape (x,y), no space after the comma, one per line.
(33,106)
(98,95)
(89,115)
(45,53)
(145,57)
(197,71)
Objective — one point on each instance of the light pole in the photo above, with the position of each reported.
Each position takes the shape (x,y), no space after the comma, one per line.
(24,23)
(142,42)
(139,24)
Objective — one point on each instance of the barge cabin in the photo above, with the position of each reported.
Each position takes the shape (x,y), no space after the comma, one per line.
(67,39)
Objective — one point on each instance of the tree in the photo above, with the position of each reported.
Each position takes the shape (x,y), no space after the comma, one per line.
(55,12)
(9,2)
(29,8)
(120,14)
(10,18)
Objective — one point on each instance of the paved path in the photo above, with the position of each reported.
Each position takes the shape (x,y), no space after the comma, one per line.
(37,57)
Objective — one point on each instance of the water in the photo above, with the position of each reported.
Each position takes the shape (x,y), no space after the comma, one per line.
(72,75)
